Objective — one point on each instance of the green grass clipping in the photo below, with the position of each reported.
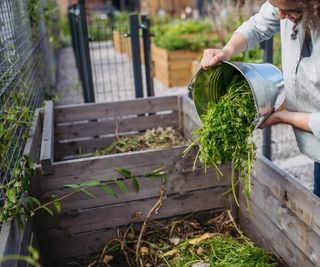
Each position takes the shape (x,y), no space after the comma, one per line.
(225,134)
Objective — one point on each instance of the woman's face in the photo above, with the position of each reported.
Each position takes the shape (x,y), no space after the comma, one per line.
(288,9)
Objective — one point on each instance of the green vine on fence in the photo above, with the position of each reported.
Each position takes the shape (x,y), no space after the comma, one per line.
(13,116)
(51,19)
(17,203)
(33,12)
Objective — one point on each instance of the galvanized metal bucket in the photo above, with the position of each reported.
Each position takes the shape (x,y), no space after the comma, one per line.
(265,81)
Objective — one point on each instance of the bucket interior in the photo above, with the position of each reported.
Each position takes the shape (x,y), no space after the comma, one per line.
(211,84)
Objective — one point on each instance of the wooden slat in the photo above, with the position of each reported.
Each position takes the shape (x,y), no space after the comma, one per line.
(189,108)
(75,148)
(122,213)
(83,112)
(268,234)
(118,42)
(32,147)
(46,153)
(94,128)
(149,187)
(80,245)
(296,231)
(103,167)
(302,202)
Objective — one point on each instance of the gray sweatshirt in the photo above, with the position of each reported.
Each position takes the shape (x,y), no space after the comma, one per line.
(301,70)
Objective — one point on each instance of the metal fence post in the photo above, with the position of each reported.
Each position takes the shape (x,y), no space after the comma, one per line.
(135,49)
(268,57)
(85,61)
(74,36)
(145,25)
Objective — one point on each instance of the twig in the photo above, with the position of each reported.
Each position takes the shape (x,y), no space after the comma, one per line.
(155,208)
(234,223)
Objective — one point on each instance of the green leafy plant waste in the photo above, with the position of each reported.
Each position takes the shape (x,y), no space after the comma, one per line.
(151,139)
(223,251)
(226,134)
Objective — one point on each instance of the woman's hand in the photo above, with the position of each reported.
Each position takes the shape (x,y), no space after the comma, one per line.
(297,119)
(212,57)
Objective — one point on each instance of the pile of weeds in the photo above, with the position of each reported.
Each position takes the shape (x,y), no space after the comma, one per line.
(152,139)
(186,242)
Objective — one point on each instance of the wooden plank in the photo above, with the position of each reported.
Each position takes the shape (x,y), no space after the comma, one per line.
(103,167)
(302,202)
(269,233)
(173,66)
(157,52)
(85,146)
(32,147)
(122,213)
(184,55)
(80,245)
(189,108)
(189,126)
(46,153)
(296,231)
(91,111)
(149,187)
(118,42)
(95,128)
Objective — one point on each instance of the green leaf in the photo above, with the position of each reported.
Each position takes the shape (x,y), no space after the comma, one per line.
(48,210)
(57,205)
(107,189)
(90,183)
(121,186)
(158,172)
(74,186)
(35,200)
(164,179)
(34,253)
(124,172)
(87,192)
(135,184)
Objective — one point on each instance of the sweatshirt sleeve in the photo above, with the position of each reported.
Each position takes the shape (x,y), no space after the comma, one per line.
(314,123)
(261,26)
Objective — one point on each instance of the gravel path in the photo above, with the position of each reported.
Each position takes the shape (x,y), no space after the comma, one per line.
(285,152)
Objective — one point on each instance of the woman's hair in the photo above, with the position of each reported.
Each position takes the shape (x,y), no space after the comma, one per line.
(311,12)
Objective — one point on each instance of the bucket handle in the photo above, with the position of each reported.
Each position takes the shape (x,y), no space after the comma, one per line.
(191,84)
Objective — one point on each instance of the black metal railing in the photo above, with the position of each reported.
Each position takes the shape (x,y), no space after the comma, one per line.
(108,74)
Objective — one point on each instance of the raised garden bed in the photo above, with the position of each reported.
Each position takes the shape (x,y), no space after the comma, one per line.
(173,68)
(119,42)
(285,218)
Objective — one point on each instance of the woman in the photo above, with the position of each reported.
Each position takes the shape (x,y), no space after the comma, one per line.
(298,23)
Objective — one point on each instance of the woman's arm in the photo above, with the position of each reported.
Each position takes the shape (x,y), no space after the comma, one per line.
(258,28)
(299,120)
(212,57)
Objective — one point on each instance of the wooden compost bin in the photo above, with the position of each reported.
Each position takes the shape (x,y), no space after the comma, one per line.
(85,224)
(173,68)
(286,217)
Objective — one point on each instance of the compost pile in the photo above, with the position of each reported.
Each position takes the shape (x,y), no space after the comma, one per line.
(151,139)
(226,132)
(184,242)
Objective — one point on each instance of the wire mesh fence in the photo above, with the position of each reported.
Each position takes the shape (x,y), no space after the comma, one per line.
(27,71)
